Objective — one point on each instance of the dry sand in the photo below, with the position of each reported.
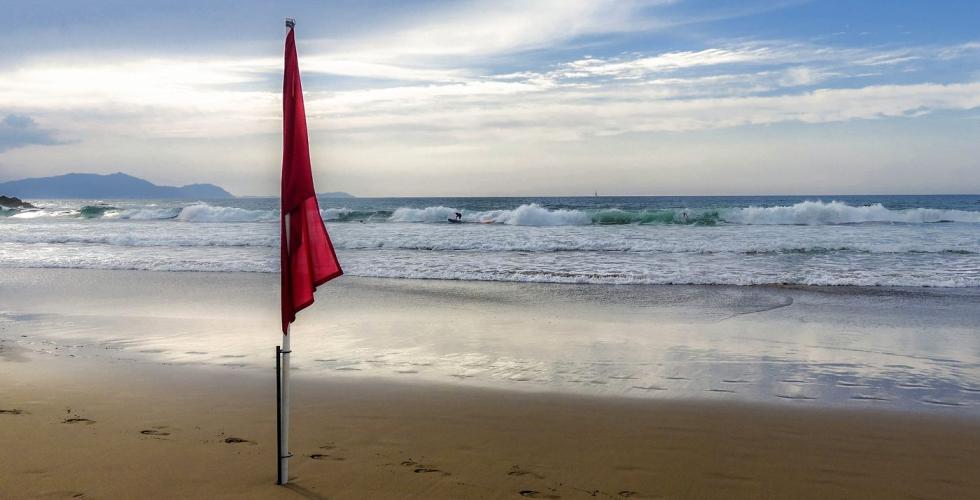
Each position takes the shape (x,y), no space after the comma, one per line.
(116,429)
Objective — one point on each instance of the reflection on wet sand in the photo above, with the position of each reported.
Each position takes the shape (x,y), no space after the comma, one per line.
(898,349)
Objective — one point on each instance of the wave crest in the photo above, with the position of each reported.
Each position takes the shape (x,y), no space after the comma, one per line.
(837,212)
(803,213)
(202,212)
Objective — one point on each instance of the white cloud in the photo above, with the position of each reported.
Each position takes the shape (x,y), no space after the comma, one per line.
(642,66)
(674,91)
(568,114)
(423,89)
(481,28)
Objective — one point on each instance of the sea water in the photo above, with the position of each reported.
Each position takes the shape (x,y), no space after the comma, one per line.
(904,241)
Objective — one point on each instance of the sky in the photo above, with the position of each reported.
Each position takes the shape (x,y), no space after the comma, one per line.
(502,97)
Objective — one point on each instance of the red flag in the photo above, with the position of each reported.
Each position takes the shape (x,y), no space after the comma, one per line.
(308,258)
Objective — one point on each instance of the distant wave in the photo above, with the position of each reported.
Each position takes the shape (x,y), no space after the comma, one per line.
(202,212)
(836,212)
(524,215)
(95,211)
(803,213)
(198,212)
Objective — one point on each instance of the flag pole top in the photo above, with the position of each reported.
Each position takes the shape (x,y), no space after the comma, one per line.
(290,22)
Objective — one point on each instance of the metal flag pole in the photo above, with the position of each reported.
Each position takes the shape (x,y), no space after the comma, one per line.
(282,389)
(282,378)
(284,453)
(278,415)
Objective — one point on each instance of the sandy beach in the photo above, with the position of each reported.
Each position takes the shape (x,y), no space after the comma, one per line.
(120,384)
(655,249)
(121,430)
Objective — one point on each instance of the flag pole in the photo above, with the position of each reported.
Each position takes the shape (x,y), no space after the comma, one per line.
(283,382)
(278,414)
(284,453)
(283,390)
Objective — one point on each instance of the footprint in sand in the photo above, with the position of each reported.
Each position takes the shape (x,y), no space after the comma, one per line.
(518,471)
(627,493)
(154,432)
(322,456)
(13,411)
(77,420)
(536,494)
(235,440)
(422,469)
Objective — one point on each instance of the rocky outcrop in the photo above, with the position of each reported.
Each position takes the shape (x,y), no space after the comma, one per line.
(14,202)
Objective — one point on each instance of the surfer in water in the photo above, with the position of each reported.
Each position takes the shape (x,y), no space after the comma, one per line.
(459,216)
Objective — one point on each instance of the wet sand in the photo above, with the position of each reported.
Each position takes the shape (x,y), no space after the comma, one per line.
(98,429)
(159,385)
(902,350)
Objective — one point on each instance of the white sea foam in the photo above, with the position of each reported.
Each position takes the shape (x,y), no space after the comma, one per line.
(836,212)
(202,212)
(428,214)
(805,243)
(536,215)
(37,214)
(524,215)
(532,214)
(803,213)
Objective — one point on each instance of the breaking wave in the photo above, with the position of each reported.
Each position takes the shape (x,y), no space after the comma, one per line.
(803,213)
(202,212)
(532,214)
(836,212)
(719,241)
(524,215)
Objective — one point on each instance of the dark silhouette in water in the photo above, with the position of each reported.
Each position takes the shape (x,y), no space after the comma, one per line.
(14,202)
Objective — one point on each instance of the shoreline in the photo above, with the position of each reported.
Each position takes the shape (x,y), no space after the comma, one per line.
(903,352)
(857,289)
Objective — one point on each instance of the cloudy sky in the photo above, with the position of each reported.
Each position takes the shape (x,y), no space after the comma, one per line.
(503,97)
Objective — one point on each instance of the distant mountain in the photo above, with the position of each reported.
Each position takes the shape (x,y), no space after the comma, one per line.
(112,186)
(335,194)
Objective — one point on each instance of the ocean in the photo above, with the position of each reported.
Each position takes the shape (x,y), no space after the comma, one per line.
(896,241)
